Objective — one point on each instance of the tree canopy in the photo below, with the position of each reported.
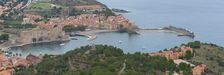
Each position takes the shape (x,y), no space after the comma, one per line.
(4,37)
(100,60)
(195,44)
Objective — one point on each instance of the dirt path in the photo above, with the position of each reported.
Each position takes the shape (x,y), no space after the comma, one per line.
(123,68)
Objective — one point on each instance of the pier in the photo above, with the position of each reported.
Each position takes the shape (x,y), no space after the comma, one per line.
(90,37)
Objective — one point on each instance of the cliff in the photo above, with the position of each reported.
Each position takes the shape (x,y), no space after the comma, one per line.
(211,55)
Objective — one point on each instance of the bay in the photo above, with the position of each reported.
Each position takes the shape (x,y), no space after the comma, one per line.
(203,17)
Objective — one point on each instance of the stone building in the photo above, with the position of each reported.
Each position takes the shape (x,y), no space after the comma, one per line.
(198,70)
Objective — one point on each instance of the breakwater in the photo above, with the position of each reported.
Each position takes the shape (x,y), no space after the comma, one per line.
(180,31)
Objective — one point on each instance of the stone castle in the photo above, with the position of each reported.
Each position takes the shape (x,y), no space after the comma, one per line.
(42,35)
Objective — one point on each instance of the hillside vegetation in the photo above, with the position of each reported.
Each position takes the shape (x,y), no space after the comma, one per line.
(101,60)
(211,55)
(75,2)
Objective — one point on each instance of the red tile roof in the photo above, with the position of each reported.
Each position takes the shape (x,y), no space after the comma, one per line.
(91,20)
(198,70)
(18,61)
(173,53)
(6,72)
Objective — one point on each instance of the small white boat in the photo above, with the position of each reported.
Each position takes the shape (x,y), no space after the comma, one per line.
(92,38)
(6,49)
(62,44)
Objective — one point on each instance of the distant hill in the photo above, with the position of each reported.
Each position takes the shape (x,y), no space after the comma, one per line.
(100,60)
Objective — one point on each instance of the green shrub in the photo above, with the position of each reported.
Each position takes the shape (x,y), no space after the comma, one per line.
(188,55)
(4,37)
(195,44)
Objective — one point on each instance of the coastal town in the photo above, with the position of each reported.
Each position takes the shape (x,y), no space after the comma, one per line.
(23,25)
(41,27)
(24,22)
(9,63)
(52,29)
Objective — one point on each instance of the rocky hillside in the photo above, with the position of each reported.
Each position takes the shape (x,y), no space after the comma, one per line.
(211,55)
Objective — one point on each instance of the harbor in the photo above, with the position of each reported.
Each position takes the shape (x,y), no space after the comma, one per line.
(83,35)
(130,43)
(89,37)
